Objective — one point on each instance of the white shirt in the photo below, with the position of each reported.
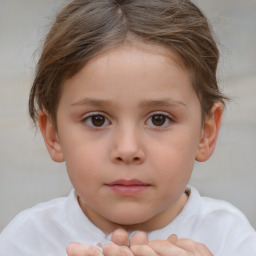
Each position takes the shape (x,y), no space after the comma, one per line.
(48,228)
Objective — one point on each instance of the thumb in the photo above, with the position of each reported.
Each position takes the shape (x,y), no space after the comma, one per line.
(172,239)
(140,238)
(120,237)
(77,249)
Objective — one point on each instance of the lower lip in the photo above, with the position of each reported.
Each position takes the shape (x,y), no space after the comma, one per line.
(130,190)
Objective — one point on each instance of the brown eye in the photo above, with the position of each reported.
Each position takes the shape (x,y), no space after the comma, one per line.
(158,120)
(96,121)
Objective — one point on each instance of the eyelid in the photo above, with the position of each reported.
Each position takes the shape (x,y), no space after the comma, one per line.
(166,114)
(154,113)
(95,113)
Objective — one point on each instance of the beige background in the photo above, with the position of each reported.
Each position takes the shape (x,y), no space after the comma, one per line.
(28,176)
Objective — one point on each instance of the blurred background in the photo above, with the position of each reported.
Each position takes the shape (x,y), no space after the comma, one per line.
(28,175)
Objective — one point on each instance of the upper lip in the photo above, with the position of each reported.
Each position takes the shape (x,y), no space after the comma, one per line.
(128,182)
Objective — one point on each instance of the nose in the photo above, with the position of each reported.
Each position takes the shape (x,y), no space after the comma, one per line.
(127,147)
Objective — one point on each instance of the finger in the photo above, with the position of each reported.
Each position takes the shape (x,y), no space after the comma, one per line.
(172,239)
(120,237)
(163,247)
(140,238)
(116,250)
(142,250)
(76,249)
(194,247)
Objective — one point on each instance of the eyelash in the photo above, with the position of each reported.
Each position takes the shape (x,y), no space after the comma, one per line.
(88,120)
(166,118)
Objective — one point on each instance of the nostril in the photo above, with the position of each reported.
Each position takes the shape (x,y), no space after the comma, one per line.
(136,159)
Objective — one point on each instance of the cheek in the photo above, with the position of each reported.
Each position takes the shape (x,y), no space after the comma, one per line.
(174,170)
(82,161)
(174,158)
(178,149)
(84,173)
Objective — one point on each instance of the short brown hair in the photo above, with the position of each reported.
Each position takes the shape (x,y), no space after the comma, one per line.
(86,28)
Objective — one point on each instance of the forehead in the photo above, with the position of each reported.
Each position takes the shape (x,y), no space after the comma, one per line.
(148,71)
(135,46)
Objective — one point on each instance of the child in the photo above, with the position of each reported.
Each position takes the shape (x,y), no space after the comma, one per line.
(126,94)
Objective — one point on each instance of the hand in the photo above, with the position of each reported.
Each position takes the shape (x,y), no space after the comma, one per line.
(120,239)
(77,249)
(170,247)
(139,246)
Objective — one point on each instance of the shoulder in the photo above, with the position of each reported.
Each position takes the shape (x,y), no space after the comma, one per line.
(219,210)
(41,211)
(222,226)
(43,220)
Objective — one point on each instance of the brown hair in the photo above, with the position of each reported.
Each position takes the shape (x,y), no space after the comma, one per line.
(86,28)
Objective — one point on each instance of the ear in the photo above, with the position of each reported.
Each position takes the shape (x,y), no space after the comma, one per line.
(210,132)
(51,138)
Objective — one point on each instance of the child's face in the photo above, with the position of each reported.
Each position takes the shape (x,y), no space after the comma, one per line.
(129,129)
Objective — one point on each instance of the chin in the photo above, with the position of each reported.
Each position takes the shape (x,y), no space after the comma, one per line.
(130,219)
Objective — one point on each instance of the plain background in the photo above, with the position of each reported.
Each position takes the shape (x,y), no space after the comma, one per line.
(28,175)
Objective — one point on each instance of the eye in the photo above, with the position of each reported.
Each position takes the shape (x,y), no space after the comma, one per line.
(159,120)
(96,120)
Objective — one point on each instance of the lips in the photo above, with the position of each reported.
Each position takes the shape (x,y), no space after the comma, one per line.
(133,182)
(128,187)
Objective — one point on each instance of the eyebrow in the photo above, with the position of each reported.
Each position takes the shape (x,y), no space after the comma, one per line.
(92,102)
(163,103)
(143,104)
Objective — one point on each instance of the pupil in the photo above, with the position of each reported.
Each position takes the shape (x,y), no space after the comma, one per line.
(158,120)
(98,120)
